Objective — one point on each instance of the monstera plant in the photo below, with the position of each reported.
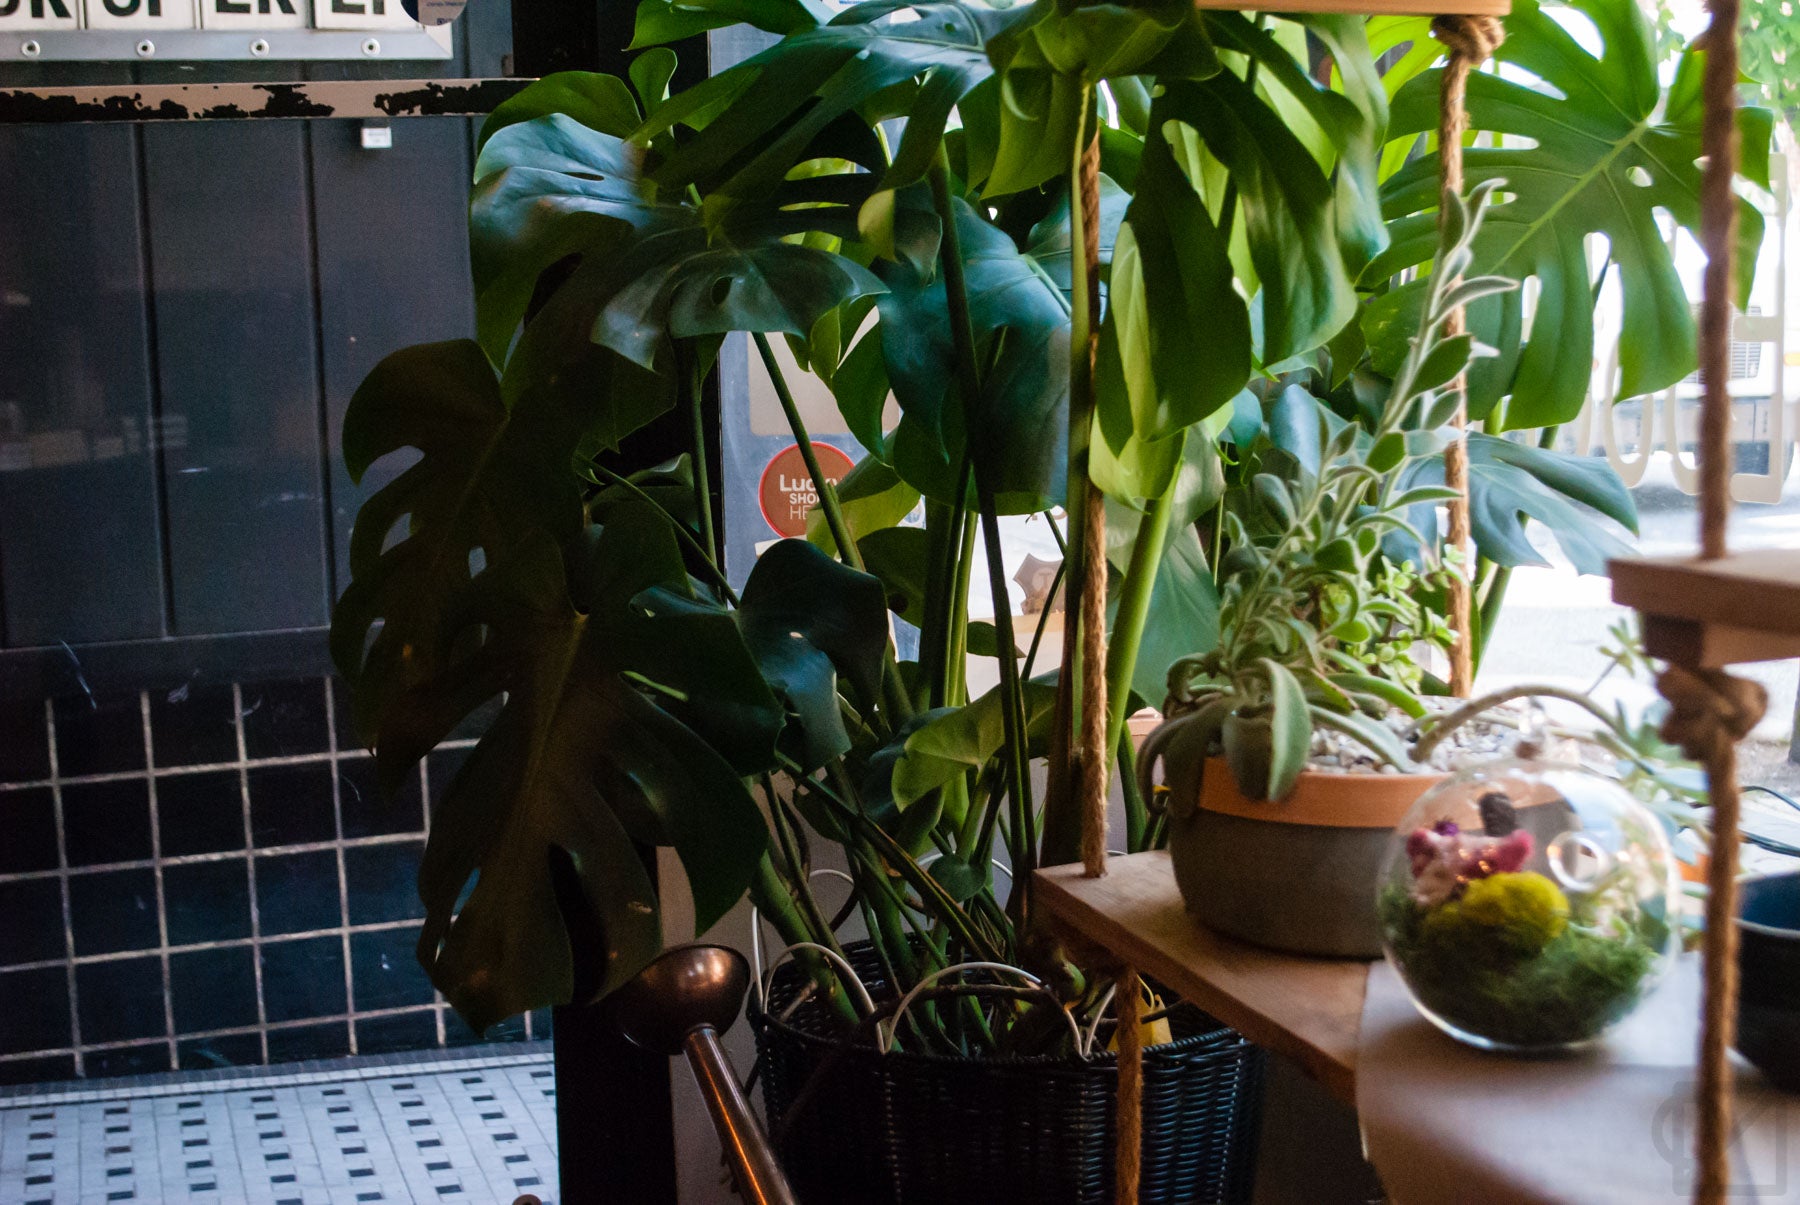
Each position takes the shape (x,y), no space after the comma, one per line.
(1258,231)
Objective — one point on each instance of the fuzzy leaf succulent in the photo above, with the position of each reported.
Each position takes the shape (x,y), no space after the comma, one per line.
(1318,625)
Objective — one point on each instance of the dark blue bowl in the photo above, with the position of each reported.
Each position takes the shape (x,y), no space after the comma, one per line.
(1768,1028)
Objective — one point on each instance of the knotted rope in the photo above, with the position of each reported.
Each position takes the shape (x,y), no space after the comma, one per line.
(1471,41)
(1710,711)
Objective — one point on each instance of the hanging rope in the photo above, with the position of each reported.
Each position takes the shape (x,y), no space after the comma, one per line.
(1711,711)
(1091,760)
(1471,41)
(1129,1128)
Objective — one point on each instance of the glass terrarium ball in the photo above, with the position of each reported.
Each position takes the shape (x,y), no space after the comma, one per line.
(1528,905)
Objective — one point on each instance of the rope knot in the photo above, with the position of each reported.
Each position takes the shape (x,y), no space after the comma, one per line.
(1473,39)
(1709,710)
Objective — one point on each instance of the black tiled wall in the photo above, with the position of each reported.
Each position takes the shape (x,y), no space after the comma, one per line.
(208,877)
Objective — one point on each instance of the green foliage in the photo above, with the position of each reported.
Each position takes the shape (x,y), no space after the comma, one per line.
(1769,50)
(1611,146)
(1303,618)
(1271,491)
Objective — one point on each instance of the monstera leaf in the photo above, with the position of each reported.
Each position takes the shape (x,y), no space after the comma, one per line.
(779,101)
(807,619)
(485,473)
(1021,326)
(662,21)
(646,269)
(1611,149)
(581,758)
(1578,499)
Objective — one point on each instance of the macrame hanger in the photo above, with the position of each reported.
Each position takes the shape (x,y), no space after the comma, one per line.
(1710,711)
(1471,41)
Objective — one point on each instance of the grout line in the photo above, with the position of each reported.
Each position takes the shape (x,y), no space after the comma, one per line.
(156,867)
(303,847)
(62,863)
(229,943)
(437,1011)
(256,968)
(286,759)
(343,878)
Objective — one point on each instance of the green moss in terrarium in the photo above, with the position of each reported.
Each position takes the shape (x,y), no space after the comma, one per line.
(1504,963)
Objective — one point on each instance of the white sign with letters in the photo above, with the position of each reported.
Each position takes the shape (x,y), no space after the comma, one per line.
(140,14)
(253,14)
(26,15)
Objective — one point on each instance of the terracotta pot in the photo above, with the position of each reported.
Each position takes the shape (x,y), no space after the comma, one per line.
(1298,875)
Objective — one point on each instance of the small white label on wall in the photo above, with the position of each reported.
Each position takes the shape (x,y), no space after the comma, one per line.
(141,14)
(361,14)
(40,14)
(253,14)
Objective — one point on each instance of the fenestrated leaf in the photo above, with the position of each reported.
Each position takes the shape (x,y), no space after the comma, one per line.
(486,473)
(578,759)
(1577,498)
(1598,133)
(786,95)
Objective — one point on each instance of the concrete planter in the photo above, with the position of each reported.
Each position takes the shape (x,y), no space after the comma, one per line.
(1297,875)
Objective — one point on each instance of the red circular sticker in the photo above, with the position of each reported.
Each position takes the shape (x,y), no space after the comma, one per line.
(787,492)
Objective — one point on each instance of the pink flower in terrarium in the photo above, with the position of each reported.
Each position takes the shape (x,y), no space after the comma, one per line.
(1444,859)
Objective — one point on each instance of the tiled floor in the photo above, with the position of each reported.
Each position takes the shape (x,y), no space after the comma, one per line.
(476,1126)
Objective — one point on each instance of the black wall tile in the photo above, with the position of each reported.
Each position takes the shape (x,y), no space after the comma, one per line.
(207,901)
(285,719)
(192,726)
(328,1041)
(441,766)
(213,989)
(291,805)
(386,970)
(366,812)
(31,923)
(381,882)
(225,1050)
(120,999)
(24,741)
(37,1071)
(113,910)
(200,813)
(404,1031)
(303,978)
(28,818)
(99,735)
(345,728)
(297,892)
(107,821)
(45,1025)
(128,1060)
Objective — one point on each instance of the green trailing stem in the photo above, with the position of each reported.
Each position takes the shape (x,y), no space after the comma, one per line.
(1134,611)
(702,474)
(682,534)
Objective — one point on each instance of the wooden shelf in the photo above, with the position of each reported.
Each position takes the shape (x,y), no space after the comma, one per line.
(1309,1009)
(1709,614)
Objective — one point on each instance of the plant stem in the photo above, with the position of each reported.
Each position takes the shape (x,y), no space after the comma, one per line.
(772,899)
(702,474)
(1134,611)
(828,502)
(1137,816)
(1043,621)
(1451,721)
(956,685)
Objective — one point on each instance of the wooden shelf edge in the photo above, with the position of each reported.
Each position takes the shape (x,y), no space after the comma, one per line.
(1305,1008)
(1742,607)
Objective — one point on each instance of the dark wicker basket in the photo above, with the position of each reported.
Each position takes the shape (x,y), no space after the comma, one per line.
(912,1129)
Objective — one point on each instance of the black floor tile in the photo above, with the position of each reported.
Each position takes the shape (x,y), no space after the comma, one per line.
(303,978)
(113,910)
(200,813)
(107,821)
(284,719)
(28,818)
(31,922)
(192,726)
(207,901)
(99,735)
(120,1000)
